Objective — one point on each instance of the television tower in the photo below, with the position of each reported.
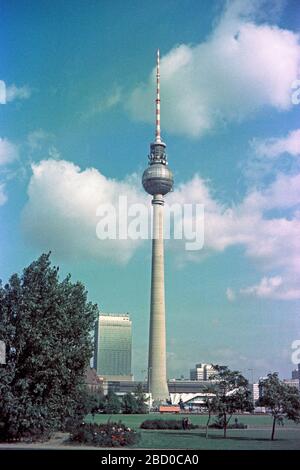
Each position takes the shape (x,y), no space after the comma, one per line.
(157,181)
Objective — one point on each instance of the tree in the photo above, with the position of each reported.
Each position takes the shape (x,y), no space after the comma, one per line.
(210,402)
(129,404)
(141,401)
(99,400)
(232,394)
(112,403)
(46,326)
(281,399)
(92,402)
(136,402)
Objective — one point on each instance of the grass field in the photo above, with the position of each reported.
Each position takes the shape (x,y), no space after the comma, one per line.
(257,436)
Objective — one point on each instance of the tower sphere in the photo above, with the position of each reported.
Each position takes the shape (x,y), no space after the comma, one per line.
(157,179)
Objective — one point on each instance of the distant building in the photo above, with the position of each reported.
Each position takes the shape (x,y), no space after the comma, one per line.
(260,384)
(255,393)
(202,372)
(295,374)
(292,382)
(177,387)
(113,347)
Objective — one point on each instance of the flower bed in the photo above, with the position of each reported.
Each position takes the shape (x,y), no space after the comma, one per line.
(104,435)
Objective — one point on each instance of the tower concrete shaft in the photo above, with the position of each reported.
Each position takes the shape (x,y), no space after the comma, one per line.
(157,341)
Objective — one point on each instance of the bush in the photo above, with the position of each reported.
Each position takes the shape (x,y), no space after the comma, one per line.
(230,426)
(104,435)
(28,436)
(165,424)
(112,404)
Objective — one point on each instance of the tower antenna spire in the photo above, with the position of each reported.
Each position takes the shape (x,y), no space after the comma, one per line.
(157,130)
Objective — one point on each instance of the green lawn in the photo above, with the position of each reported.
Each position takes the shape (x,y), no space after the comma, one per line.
(257,436)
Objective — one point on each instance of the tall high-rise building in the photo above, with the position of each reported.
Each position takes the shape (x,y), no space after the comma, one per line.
(113,345)
(157,181)
(202,372)
(255,393)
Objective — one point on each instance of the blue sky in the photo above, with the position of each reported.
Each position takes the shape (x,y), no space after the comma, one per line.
(76,118)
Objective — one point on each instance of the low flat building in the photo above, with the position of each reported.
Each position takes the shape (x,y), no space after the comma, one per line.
(122,387)
(292,382)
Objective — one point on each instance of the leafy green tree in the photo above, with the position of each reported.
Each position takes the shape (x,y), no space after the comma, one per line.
(135,402)
(46,327)
(92,403)
(281,399)
(129,404)
(112,403)
(141,401)
(232,394)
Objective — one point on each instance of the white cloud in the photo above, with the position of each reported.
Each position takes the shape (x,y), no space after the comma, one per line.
(265,288)
(248,224)
(272,241)
(282,193)
(61,215)
(42,142)
(3,197)
(17,93)
(2,92)
(101,105)
(8,151)
(272,288)
(61,211)
(230,294)
(275,147)
(12,92)
(241,67)
(36,138)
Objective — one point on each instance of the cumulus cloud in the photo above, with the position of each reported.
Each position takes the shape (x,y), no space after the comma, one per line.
(272,287)
(21,93)
(271,156)
(61,211)
(274,147)
(61,215)
(241,67)
(269,238)
(249,223)
(282,193)
(12,92)
(8,151)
